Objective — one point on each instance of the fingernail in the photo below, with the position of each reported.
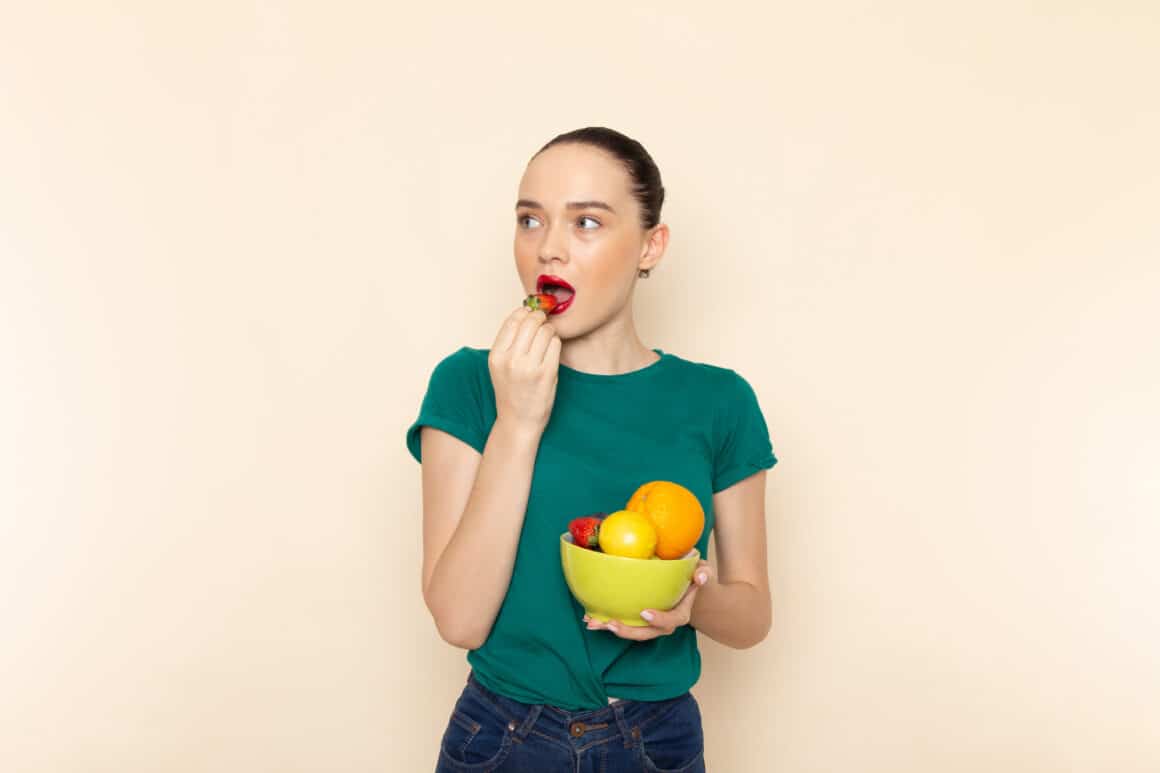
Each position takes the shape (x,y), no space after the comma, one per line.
(701,579)
(647,615)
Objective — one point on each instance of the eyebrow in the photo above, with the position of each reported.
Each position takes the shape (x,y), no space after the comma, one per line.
(570,205)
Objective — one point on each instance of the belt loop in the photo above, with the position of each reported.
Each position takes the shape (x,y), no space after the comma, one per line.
(629,736)
(521,730)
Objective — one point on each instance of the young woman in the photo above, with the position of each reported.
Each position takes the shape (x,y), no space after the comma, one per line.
(567,414)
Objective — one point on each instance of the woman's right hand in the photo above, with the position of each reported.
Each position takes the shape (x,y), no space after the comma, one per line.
(524,362)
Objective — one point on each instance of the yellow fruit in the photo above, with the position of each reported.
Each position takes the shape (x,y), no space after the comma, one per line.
(675,513)
(628,534)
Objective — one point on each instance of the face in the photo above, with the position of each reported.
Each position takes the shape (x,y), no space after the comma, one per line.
(596,247)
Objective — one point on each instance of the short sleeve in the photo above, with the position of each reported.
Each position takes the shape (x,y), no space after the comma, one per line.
(743,446)
(453,402)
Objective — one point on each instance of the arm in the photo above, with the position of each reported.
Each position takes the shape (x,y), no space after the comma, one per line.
(737,609)
(473,511)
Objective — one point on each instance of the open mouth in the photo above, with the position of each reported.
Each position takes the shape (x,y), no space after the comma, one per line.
(563,292)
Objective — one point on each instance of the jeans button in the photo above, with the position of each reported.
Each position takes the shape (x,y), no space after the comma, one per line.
(512,726)
(577,729)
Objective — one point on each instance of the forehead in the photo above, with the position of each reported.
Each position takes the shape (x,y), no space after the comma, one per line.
(570,171)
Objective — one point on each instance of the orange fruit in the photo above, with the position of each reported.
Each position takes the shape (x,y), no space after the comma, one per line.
(628,534)
(675,512)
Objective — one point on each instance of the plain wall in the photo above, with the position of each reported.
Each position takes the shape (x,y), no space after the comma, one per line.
(235,239)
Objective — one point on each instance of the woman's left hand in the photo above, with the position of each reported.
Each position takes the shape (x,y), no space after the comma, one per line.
(663,622)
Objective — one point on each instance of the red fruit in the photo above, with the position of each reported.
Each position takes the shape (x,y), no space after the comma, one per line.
(586,530)
(541,301)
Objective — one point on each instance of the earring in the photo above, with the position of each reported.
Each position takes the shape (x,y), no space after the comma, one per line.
(643,273)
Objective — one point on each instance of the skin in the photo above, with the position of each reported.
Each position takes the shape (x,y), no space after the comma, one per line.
(599,253)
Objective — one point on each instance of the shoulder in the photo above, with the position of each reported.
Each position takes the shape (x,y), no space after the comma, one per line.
(462,360)
(465,364)
(720,379)
(728,397)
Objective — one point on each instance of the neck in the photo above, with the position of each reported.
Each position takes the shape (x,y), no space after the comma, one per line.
(608,350)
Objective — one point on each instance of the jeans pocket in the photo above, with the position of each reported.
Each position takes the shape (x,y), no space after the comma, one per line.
(672,740)
(476,739)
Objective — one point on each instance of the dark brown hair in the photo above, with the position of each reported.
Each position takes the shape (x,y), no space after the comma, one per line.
(646,178)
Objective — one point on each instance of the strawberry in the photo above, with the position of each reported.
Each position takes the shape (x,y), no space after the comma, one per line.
(586,530)
(543,301)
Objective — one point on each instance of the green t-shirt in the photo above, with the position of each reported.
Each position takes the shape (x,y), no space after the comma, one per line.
(692,423)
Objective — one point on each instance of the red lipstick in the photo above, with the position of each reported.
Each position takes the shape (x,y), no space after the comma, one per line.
(559,288)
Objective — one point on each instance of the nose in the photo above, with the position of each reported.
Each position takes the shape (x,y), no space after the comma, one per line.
(546,262)
(549,248)
(549,252)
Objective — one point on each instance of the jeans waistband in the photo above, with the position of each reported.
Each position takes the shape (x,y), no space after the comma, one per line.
(623,712)
(617,721)
(623,729)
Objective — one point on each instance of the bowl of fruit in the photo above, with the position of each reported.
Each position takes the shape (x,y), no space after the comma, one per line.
(641,557)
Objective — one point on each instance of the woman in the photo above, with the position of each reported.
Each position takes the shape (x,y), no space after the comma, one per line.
(566,415)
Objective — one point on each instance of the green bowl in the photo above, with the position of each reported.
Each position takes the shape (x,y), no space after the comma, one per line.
(618,588)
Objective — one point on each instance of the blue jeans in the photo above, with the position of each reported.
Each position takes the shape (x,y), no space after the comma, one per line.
(489,732)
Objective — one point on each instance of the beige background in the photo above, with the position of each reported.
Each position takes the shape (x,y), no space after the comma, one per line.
(236,238)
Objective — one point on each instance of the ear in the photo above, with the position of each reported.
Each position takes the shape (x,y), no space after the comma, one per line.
(654,246)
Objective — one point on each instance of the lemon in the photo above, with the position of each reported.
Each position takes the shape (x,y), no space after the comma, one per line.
(629,534)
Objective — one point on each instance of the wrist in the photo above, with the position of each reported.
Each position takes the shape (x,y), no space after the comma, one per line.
(518,430)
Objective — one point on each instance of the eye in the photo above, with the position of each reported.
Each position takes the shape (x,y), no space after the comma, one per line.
(520,220)
(586,217)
